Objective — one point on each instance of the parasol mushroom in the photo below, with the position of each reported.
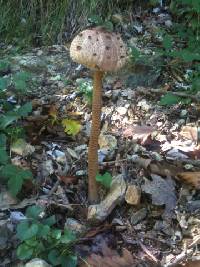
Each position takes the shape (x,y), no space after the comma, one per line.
(101,51)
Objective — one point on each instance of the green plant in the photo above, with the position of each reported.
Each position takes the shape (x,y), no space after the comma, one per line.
(10,131)
(179,49)
(40,239)
(14,175)
(43,22)
(105,179)
(86,88)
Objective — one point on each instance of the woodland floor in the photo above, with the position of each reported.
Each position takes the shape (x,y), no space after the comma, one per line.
(152,146)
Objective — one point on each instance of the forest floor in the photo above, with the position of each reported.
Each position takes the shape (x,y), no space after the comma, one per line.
(150,215)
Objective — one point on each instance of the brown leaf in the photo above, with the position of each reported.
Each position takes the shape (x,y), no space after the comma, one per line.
(162,192)
(139,132)
(68,179)
(189,132)
(111,258)
(192,178)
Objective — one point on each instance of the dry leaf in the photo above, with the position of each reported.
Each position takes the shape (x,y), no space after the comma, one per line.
(110,258)
(68,179)
(189,132)
(192,178)
(162,192)
(139,132)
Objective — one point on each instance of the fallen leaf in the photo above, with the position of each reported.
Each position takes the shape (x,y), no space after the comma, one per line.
(68,179)
(71,127)
(140,133)
(110,258)
(192,178)
(162,192)
(107,141)
(22,148)
(189,132)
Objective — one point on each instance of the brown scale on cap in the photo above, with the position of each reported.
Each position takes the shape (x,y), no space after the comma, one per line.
(106,51)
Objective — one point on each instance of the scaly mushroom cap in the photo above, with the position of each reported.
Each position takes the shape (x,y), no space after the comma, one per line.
(99,49)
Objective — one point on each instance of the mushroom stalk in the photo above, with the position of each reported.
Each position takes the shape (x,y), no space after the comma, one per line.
(94,135)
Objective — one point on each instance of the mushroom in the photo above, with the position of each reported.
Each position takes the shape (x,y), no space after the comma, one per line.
(101,51)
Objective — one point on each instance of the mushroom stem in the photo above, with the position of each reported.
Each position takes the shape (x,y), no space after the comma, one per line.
(94,135)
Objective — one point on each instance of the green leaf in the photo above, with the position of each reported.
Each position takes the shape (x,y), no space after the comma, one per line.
(6,120)
(95,19)
(56,233)
(54,257)
(167,42)
(23,75)
(105,179)
(108,25)
(4,65)
(24,110)
(3,140)
(24,252)
(3,156)
(71,127)
(20,85)
(67,237)
(34,212)
(50,220)
(43,231)
(26,231)
(3,83)
(169,99)
(32,242)
(15,176)
(69,261)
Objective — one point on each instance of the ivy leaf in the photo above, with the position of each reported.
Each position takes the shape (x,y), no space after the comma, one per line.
(169,99)
(104,179)
(24,252)
(71,127)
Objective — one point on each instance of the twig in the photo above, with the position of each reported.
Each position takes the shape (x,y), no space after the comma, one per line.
(54,188)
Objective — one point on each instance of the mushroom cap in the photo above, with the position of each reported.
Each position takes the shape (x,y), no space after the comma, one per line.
(99,49)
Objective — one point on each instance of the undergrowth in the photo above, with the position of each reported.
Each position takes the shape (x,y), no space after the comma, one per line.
(178,50)
(39,238)
(10,130)
(43,22)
